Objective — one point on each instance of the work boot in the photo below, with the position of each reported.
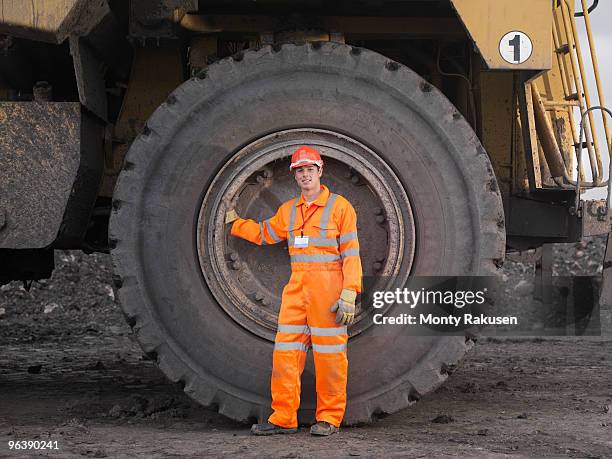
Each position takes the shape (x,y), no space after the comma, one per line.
(267,428)
(324,429)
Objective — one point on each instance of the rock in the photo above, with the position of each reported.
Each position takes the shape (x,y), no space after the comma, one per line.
(579,254)
(115,411)
(49,308)
(34,369)
(158,405)
(483,432)
(523,288)
(522,416)
(443,419)
(109,291)
(92,328)
(501,385)
(2,311)
(68,258)
(74,426)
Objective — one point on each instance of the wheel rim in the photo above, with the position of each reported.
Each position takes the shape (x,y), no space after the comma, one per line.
(247,280)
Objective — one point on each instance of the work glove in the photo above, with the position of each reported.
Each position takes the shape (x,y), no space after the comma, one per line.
(345,307)
(231,216)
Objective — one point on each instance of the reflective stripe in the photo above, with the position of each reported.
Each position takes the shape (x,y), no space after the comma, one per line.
(305,258)
(316,242)
(350,253)
(271,232)
(263,236)
(293,346)
(334,331)
(294,329)
(315,331)
(347,237)
(292,218)
(326,213)
(328,348)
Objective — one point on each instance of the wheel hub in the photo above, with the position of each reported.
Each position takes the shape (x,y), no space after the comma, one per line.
(247,279)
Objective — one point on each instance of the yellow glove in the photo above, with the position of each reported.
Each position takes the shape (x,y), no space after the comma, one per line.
(231,216)
(345,307)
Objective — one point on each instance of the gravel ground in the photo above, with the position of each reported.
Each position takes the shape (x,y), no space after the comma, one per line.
(71,372)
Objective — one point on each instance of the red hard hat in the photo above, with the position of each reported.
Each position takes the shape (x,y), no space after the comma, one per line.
(305,155)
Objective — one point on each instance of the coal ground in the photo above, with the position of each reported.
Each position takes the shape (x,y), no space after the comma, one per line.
(71,372)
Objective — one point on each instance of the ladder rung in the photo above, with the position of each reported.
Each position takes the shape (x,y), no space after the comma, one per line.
(563,49)
(572,96)
(557,103)
(584,145)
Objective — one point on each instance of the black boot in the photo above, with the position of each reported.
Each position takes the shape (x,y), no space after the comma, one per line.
(267,428)
(324,429)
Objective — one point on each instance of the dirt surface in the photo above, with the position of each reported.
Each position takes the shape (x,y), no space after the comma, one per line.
(71,372)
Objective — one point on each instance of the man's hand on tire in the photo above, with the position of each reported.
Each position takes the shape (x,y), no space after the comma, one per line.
(231,216)
(345,307)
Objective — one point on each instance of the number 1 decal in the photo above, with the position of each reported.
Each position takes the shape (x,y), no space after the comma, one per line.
(516,43)
(515,47)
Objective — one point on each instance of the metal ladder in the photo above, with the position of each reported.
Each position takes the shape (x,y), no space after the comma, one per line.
(576,96)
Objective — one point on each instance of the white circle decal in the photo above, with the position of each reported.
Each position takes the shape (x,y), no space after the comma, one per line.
(515,47)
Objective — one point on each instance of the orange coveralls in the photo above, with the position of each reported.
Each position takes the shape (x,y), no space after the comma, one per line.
(319,273)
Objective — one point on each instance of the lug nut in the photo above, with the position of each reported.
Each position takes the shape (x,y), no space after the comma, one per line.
(377,266)
(380,218)
(260,179)
(381,258)
(348,174)
(234,256)
(355,179)
(267,173)
(378,211)
(265,302)
(236,265)
(258,296)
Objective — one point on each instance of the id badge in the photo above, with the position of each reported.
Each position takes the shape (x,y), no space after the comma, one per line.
(301,242)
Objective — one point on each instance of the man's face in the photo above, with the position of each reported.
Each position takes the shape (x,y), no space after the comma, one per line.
(308,177)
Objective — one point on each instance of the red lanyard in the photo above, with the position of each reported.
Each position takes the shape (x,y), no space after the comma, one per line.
(305,220)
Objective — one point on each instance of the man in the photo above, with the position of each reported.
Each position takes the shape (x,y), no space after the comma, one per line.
(318,302)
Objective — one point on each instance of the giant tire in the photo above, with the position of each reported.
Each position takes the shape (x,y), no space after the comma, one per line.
(446,173)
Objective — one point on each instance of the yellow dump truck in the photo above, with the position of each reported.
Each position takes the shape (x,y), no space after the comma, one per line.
(130,127)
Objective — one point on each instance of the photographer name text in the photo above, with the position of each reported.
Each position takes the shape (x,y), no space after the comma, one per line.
(450,320)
